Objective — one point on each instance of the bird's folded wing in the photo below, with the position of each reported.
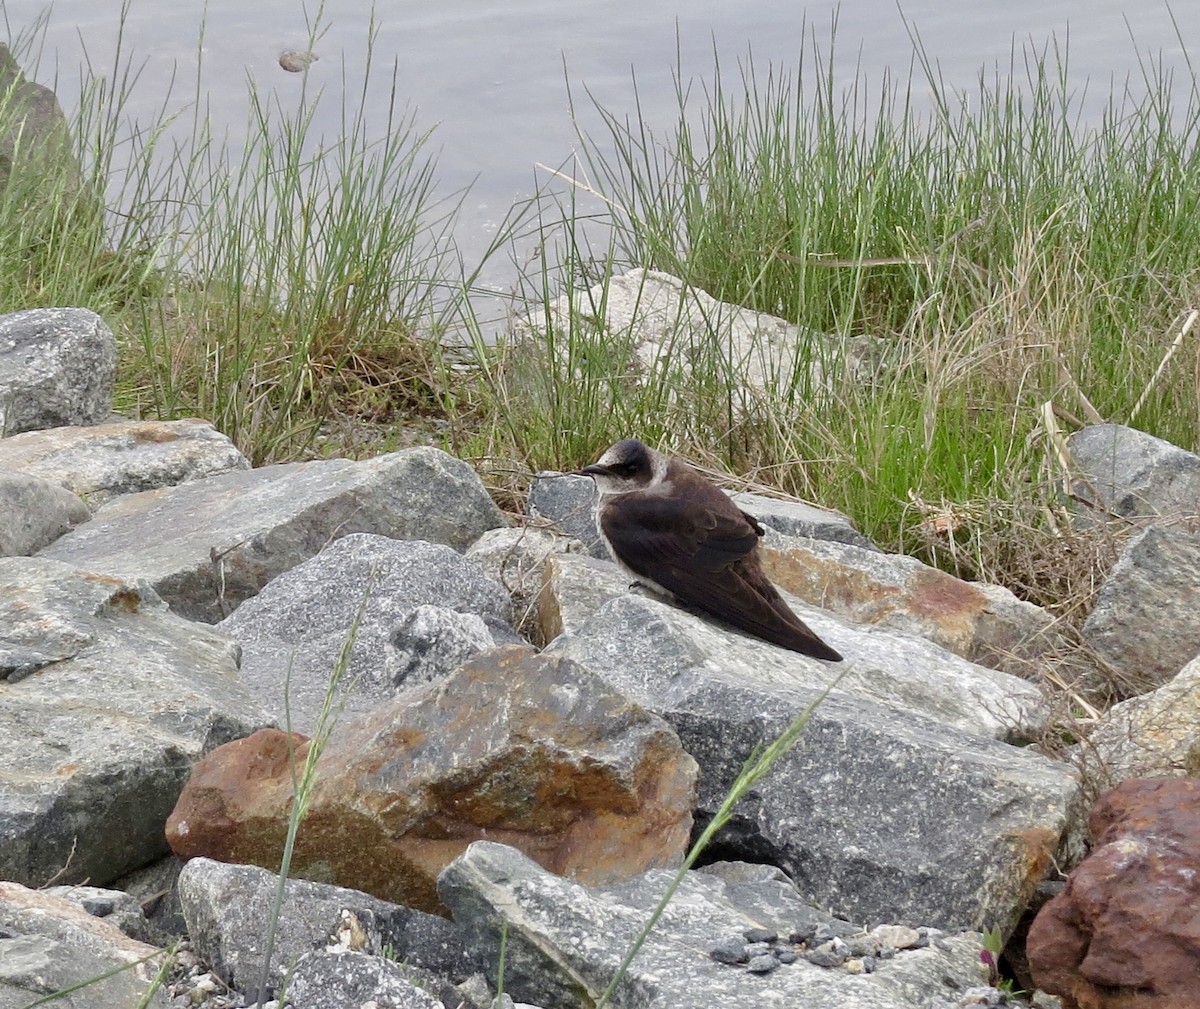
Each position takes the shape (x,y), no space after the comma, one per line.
(663,531)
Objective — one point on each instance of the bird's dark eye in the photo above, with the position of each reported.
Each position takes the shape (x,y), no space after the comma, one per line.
(626,468)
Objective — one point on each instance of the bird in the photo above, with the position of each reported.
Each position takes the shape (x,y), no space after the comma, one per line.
(677,533)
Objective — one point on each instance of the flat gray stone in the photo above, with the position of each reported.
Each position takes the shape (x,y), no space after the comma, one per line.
(122,457)
(796,518)
(56,367)
(227,908)
(106,699)
(209,545)
(428,610)
(1146,621)
(48,943)
(34,513)
(336,979)
(564,942)
(1133,475)
(656,328)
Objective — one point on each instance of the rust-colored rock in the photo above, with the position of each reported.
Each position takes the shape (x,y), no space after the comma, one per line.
(532,751)
(1125,932)
(986,624)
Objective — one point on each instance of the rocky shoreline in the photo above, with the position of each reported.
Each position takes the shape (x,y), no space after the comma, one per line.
(523,746)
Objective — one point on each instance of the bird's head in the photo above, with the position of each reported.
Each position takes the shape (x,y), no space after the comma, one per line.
(626,466)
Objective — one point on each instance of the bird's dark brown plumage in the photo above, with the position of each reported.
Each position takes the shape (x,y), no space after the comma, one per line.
(676,530)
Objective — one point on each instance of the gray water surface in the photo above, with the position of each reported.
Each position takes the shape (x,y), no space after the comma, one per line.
(492,78)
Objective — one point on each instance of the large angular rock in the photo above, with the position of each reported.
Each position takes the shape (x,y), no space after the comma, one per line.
(895,805)
(1133,475)
(1154,735)
(653,326)
(122,457)
(648,640)
(530,750)
(209,545)
(37,163)
(56,367)
(1146,621)
(48,944)
(984,623)
(105,701)
(227,908)
(563,944)
(1124,933)
(427,610)
(34,513)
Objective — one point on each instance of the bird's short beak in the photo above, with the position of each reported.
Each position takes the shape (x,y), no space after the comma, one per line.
(593,470)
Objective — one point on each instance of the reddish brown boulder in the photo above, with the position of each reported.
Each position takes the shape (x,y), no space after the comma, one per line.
(1125,932)
(531,751)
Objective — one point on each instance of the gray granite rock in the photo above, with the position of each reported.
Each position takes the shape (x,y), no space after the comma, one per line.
(1133,474)
(899,762)
(209,545)
(516,558)
(654,327)
(1151,736)
(340,978)
(428,610)
(105,701)
(564,943)
(1146,621)
(34,513)
(56,367)
(48,944)
(117,907)
(103,461)
(227,908)
(568,503)
(37,161)
(796,518)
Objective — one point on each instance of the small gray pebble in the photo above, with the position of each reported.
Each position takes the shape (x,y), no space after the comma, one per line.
(754,949)
(836,929)
(803,934)
(729,951)
(760,935)
(763,964)
(787,956)
(823,956)
(928,935)
(870,964)
(887,953)
(97,907)
(860,945)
